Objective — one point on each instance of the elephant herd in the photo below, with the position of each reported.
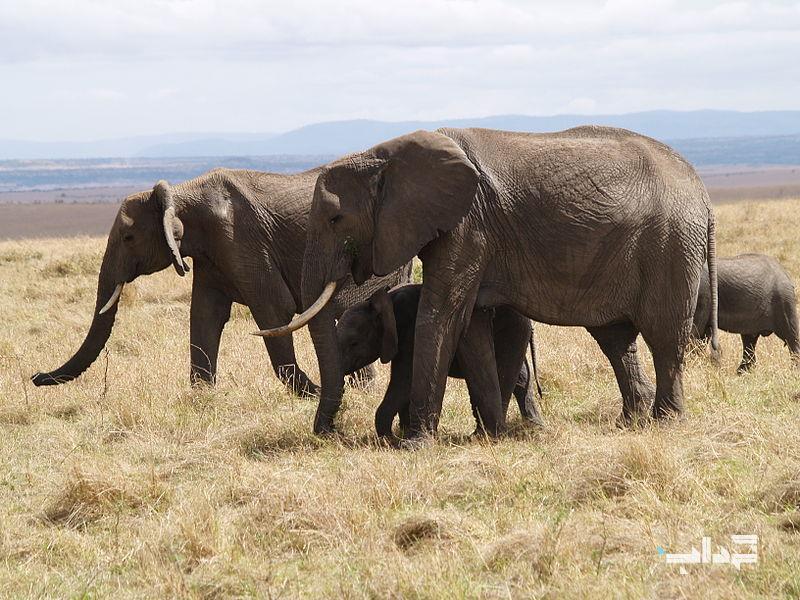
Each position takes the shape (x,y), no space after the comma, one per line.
(593,226)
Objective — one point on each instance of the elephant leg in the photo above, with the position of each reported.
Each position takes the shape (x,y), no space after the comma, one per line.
(668,362)
(526,396)
(395,400)
(209,312)
(512,333)
(281,349)
(788,329)
(618,343)
(475,352)
(284,364)
(435,337)
(748,353)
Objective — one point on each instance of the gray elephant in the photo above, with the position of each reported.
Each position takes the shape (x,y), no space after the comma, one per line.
(593,226)
(383,328)
(246,233)
(756,298)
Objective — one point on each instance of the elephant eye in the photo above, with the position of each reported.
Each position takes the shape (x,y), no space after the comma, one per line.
(128,237)
(336,219)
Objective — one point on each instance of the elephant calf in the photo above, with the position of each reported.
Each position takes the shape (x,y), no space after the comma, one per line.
(383,327)
(756,297)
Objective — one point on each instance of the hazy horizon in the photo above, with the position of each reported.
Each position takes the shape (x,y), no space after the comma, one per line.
(87,71)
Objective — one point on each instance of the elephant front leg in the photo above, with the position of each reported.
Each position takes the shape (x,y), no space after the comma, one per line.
(395,400)
(618,343)
(476,355)
(748,353)
(438,327)
(210,310)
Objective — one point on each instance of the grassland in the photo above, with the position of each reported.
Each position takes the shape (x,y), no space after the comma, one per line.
(127,483)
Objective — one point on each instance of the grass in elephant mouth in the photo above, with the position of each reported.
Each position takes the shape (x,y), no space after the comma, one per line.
(132,484)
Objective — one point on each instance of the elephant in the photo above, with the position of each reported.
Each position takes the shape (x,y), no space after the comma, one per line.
(245,232)
(756,298)
(593,226)
(383,328)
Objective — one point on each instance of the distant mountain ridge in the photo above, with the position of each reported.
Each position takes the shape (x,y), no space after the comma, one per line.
(340,137)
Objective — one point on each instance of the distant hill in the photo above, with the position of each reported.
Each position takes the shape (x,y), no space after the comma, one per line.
(141,173)
(340,137)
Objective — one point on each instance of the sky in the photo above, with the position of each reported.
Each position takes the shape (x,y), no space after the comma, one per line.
(93,69)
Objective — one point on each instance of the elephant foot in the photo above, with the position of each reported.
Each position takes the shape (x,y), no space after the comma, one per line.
(418,442)
(666,412)
(308,390)
(323,420)
(633,421)
(534,420)
(305,388)
(482,434)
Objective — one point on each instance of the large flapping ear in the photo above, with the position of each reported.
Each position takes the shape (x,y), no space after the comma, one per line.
(173,227)
(382,305)
(426,186)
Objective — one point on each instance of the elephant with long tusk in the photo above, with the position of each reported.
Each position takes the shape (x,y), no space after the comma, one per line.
(594,227)
(246,233)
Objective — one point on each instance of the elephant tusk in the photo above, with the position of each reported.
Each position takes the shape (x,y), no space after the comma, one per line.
(113,300)
(301,320)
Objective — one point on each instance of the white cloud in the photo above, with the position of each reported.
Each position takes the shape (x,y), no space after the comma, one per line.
(86,68)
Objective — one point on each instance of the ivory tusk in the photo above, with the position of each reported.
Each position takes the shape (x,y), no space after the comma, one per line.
(113,300)
(301,320)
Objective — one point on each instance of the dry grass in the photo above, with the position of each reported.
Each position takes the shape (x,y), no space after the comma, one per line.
(137,486)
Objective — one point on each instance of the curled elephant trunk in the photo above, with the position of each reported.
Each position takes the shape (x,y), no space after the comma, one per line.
(302,320)
(108,291)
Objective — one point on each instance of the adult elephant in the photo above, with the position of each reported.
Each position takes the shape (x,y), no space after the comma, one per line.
(246,234)
(596,227)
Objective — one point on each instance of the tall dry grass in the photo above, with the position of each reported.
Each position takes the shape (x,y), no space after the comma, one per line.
(127,483)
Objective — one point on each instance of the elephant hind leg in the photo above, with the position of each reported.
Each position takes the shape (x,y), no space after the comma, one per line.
(526,396)
(668,357)
(618,343)
(476,354)
(209,312)
(281,353)
(748,353)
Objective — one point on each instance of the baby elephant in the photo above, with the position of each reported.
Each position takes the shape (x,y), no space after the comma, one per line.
(383,327)
(756,297)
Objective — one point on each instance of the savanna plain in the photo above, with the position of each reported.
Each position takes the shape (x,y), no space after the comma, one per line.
(129,483)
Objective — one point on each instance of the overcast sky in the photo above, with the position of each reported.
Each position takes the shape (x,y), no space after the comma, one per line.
(88,69)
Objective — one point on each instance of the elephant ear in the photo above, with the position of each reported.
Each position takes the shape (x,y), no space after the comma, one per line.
(382,305)
(425,187)
(172,225)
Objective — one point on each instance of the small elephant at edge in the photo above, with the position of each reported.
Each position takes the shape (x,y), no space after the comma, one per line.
(383,327)
(756,298)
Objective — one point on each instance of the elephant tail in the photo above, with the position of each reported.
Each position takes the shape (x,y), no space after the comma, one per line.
(532,344)
(712,281)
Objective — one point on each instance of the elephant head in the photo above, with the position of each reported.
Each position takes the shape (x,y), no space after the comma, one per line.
(373,212)
(145,238)
(366,332)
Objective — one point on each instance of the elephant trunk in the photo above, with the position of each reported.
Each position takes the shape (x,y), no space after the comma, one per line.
(322,327)
(107,287)
(323,334)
